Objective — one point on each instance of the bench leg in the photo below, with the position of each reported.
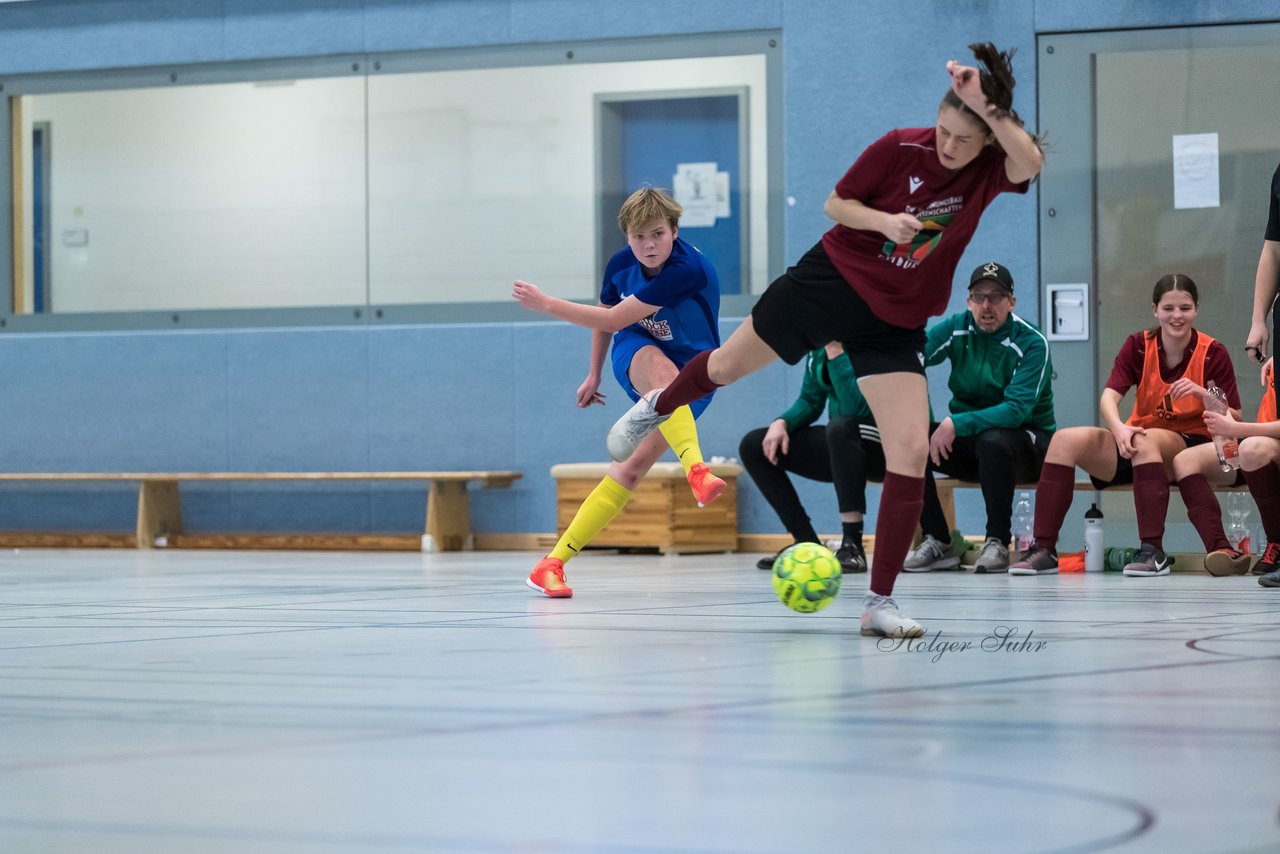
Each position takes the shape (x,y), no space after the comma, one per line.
(947,499)
(448,518)
(159,512)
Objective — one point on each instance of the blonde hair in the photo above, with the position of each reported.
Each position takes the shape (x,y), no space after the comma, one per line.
(647,205)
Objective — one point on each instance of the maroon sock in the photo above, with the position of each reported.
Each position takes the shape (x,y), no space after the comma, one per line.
(690,384)
(1151,500)
(1053,499)
(1204,511)
(1264,485)
(901,500)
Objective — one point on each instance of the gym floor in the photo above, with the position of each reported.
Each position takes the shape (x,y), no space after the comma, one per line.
(187,701)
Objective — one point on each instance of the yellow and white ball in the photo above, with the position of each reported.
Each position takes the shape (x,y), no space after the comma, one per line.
(806,577)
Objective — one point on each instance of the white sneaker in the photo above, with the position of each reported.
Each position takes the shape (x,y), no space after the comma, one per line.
(994,557)
(629,431)
(930,554)
(880,616)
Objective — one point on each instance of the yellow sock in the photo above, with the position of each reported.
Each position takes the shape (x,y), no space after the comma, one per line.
(681,434)
(602,505)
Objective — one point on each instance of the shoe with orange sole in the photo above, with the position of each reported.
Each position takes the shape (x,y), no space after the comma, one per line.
(706,486)
(548,579)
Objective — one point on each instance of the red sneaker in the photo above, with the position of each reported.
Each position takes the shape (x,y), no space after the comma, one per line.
(548,579)
(706,486)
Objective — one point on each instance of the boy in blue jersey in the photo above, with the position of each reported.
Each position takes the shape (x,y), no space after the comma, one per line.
(660,301)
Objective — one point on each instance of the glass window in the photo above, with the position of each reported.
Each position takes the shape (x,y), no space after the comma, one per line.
(408,186)
(241,195)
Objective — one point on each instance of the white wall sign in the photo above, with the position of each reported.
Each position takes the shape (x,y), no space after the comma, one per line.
(694,186)
(1195,170)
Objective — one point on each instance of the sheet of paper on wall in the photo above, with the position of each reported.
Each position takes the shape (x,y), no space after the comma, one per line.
(694,188)
(722,195)
(1195,170)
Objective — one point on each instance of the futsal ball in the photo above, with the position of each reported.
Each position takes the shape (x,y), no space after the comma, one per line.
(806,577)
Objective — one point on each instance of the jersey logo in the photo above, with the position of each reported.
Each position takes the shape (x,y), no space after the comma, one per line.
(659,329)
(909,255)
(1164,409)
(914,183)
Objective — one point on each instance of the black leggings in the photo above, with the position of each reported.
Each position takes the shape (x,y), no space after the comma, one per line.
(835,453)
(997,458)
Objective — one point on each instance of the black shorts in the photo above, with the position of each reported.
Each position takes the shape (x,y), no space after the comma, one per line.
(1124,465)
(811,305)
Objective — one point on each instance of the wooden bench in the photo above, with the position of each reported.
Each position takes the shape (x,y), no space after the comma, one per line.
(159,521)
(662,514)
(1184,562)
(948,485)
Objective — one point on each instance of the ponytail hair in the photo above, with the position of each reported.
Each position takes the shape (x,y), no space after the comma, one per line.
(995,75)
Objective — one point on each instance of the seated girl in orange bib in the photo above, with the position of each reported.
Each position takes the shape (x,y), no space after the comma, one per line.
(1171,365)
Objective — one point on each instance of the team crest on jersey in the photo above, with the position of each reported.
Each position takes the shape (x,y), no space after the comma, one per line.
(910,255)
(659,329)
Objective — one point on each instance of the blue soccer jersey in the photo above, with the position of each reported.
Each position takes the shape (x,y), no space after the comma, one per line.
(687,293)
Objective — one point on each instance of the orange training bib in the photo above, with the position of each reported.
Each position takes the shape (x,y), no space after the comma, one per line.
(1155,407)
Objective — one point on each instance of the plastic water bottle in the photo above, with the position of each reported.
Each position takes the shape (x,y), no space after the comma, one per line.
(1228,449)
(1094,557)
(1023,523)
(1238,533)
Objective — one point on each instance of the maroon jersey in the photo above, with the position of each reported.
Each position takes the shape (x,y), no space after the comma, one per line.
(1127,371)
(906,284)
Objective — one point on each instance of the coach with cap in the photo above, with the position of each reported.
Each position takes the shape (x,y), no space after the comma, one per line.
(1001,415)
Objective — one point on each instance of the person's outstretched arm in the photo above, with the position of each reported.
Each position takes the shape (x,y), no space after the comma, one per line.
(604,318)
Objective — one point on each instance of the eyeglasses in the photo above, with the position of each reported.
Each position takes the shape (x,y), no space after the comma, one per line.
(989,299)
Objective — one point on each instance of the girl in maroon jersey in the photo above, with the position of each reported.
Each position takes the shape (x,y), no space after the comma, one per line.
(904,213)
(1170,367)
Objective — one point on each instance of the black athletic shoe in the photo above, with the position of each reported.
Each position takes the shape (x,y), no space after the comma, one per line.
(852,558)
(766,563)
(1269,561)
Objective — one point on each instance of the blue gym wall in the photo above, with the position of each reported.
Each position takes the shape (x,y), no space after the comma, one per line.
(479,395)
